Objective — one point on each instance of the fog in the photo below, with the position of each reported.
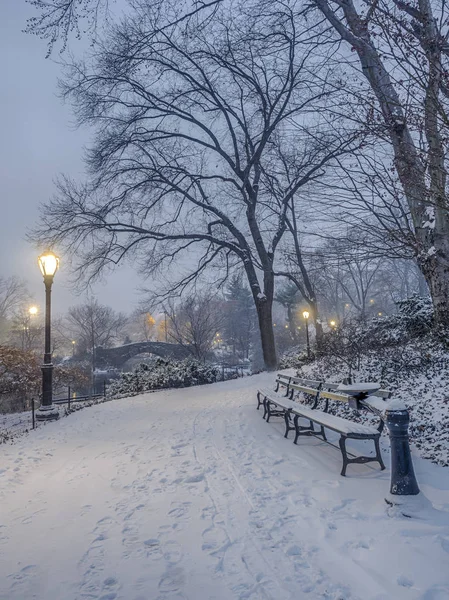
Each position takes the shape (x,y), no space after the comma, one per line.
(39,141)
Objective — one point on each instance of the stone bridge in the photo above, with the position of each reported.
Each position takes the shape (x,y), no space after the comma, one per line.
(117,357)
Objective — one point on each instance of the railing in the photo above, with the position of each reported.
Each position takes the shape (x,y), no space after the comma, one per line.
(74,397)
(237,370)
(16,423)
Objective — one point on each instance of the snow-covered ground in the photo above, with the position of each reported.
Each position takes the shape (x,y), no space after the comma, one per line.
(189,495)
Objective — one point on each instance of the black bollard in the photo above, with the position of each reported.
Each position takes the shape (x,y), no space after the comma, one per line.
(403,480)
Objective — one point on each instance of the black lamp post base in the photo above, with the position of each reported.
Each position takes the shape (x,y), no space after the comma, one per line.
(47,413)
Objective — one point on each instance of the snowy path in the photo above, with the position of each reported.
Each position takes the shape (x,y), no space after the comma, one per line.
(190,495)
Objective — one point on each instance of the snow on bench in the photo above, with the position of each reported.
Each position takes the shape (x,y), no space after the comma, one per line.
(278,406)
(263,393)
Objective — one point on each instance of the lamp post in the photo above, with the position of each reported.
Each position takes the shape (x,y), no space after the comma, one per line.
(73,347)
(48,264)
(306,315)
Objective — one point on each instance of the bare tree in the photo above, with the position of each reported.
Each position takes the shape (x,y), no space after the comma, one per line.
(57,19)
(355,273)
(403,51)
(194,324)
(188,120)
(26,330)
(92,324)
(295,268)
(13,293)
(141,325)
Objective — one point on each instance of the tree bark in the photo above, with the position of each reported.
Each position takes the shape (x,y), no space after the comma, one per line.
(265,317)
(436,272)
(263,301)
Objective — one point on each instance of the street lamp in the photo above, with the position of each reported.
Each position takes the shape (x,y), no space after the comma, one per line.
(73,347)
(48,264)
(306,315)
(333,324)
(26,328)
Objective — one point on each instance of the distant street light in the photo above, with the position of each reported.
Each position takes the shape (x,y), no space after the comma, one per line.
(48,264)
(306,315)
(26,328)
(333,324)
(73,347)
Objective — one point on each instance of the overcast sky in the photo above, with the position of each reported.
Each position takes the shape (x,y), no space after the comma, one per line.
(38,141)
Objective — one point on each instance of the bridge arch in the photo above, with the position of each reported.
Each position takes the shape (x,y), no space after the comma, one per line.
(117,357)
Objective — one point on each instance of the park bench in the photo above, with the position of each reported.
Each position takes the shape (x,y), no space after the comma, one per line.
(292,411)
(287,380)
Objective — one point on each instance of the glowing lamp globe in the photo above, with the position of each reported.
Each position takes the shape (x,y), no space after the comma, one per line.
(33,310)
(305,314)
(48,264)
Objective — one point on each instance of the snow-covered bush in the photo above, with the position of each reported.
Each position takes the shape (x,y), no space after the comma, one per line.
(352,340)
(294,358)
(413,319)
(20,377)
(163,373)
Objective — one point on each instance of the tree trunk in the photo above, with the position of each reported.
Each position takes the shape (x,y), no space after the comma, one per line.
(436,273)
(265,317)
(263,301)
(318,331)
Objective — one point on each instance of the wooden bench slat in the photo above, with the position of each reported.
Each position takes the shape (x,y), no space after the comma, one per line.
(333,396)
(338,424)
(304,389)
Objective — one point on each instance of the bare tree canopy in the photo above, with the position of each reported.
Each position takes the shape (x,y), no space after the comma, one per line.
(92,324)
(403,53)
(204,136)
(56,20)
(194,324)
(13,293)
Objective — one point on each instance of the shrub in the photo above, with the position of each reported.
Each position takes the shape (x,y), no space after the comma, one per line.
(162,374)
(20,377)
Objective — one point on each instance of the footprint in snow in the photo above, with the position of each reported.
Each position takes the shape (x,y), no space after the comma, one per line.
(404,581)
(194,478)
(177,446)
(172,580)
(179,509)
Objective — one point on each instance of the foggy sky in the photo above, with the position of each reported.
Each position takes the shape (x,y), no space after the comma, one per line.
(39,141)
